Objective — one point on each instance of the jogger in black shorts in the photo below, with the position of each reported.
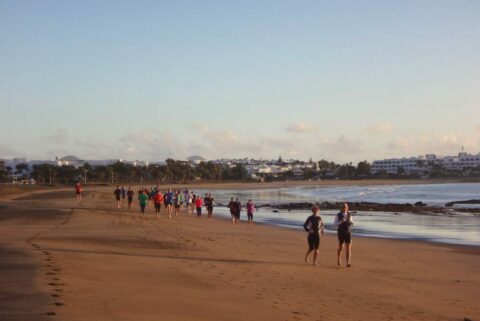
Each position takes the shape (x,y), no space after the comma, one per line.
(344,223)
(314,226)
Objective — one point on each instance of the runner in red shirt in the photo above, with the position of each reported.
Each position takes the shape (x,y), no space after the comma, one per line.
(158,200)
(78,191)
(198,206)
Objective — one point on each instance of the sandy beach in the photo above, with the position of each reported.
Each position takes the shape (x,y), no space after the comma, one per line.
(66,261)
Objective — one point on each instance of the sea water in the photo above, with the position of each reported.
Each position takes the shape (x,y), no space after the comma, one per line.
(452,228)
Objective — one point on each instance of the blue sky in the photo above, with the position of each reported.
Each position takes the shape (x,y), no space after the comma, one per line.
(345,81)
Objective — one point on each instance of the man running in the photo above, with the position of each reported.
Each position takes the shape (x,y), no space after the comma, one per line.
(209,205)
(142,200)
(314,226)
(78,192)
(233,208)
(130,197)
(238,210)
(343,222)
(250,210)
(124,192)
(118,195)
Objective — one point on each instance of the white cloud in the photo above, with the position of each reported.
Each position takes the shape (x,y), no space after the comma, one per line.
(438,143)
(380,128)
(301,127)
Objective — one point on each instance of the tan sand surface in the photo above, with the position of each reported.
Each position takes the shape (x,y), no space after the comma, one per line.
(64,261)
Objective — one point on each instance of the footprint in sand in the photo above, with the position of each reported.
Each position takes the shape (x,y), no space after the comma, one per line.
(58,304)
(55,295)
(51,313)
(49,273)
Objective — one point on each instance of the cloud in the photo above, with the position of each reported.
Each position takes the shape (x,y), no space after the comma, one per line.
(301,127)
(341,147)
(438,143)
(380,128)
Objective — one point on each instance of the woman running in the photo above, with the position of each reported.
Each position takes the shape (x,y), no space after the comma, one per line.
(158,200)
(343,222)
(314,226)
(209,206)
(198,206)
(169,202)
(250,210)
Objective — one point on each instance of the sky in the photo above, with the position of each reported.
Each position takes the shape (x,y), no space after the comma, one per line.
(148,80)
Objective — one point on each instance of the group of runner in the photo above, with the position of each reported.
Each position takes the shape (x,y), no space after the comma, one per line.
(343,223)
(178,201)
(235,207)
(174,202)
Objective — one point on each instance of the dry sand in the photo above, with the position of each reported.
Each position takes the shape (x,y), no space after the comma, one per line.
(64,261)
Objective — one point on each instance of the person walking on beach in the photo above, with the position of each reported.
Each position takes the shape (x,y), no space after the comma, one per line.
(78,192)
(118,195)
(314,226)
(250,210)
(142,200)
(198,206)
(130,197)
(157,201)
(343,222)
(233,208)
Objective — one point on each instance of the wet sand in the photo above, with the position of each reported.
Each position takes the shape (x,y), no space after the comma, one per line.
(65,261)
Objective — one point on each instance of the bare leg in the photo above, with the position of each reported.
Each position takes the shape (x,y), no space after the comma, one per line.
(339,253)
(315,254)
(349,253)
(306,255)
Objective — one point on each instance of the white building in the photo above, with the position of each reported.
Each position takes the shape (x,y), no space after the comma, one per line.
(425,164)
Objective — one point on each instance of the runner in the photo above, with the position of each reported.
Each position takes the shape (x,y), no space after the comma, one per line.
(250,210)
(142,200)
(124,192)
(118,195)
(158,200)
(343,222)
(198,206)
(186,195)
(130,197)
(238,210)
(189,203)
(78,192)
(233,208)
(168,202)
(314,226)
(177,201)
(194,199)
(209,205)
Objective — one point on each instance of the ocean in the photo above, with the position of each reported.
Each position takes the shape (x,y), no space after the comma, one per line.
(452,228)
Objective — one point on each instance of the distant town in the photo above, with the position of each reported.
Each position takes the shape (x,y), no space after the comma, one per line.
(70,169)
